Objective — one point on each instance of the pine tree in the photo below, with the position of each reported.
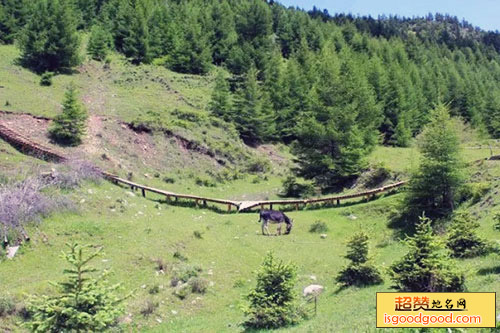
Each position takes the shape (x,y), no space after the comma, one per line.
(360,271)
(70,126)
(49,41)
(251,111)
(224,35)
(272,302)
(427,266)
(220,105)
(194,55)
(135,44)
(463,240)
(83,304)
(434,186)
(341,128)
(99,43)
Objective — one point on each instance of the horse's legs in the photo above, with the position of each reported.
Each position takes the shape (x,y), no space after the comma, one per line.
(264,227)
(279,228)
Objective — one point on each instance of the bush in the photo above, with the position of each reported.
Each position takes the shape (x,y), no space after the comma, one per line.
(272,304)
(360,271)
(377,176)
(169,180)
(475,191)
(84,303)
(149,308)
(46,79)
(427,267)
(319,227)
(291,188)
(258,165)
(496,218)
(154,290)
(7,306)
(204,181)
(463,240)
(198,285)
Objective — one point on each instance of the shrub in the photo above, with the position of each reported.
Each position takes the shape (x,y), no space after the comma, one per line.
(427,267)
(74,173)
(46,79)
(154,290)
(319,227)
(294,189)
(258,165)
(25,202)
(149,308)
(204,181)
(84,303)
(178,255)
(463,240)
(475,191)
(69,127)
(360,271)
(272,304)
(377,176)
(198,285)
(7,306)
(169,180)
(496,218)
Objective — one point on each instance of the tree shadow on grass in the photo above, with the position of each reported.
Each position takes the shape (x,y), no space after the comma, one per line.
(489,270)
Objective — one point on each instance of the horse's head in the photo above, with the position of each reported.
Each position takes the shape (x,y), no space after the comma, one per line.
(289,227)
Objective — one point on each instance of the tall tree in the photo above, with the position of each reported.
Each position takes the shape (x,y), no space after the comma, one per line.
(220,105)
(99,43)
(49,41)
(341,129)
(253,118)
(434,185)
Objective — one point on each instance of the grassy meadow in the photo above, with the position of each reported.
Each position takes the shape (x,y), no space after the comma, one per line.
(136,233)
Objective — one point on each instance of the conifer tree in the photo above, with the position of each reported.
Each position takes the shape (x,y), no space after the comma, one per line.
(220,105)
(83,304)
(252,113)
(360,271)
(341,129)
(434,185)
(427,266)
(69,127)
(49,41)
(272,302)
(463,240)
(224,35)
(135,43)
(99,43)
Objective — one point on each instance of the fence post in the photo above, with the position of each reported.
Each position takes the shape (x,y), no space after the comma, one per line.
(143,192)
(228,207)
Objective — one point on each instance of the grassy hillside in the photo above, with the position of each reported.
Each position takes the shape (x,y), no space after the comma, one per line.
(137,232)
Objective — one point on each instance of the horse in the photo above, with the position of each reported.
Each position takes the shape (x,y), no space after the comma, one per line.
(275,217)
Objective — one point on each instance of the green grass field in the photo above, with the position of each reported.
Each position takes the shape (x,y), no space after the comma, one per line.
(138,231)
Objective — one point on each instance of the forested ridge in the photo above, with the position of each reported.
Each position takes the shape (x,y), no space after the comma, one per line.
(332,86)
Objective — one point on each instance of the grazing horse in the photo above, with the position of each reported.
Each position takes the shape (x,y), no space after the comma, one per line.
(275,217)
